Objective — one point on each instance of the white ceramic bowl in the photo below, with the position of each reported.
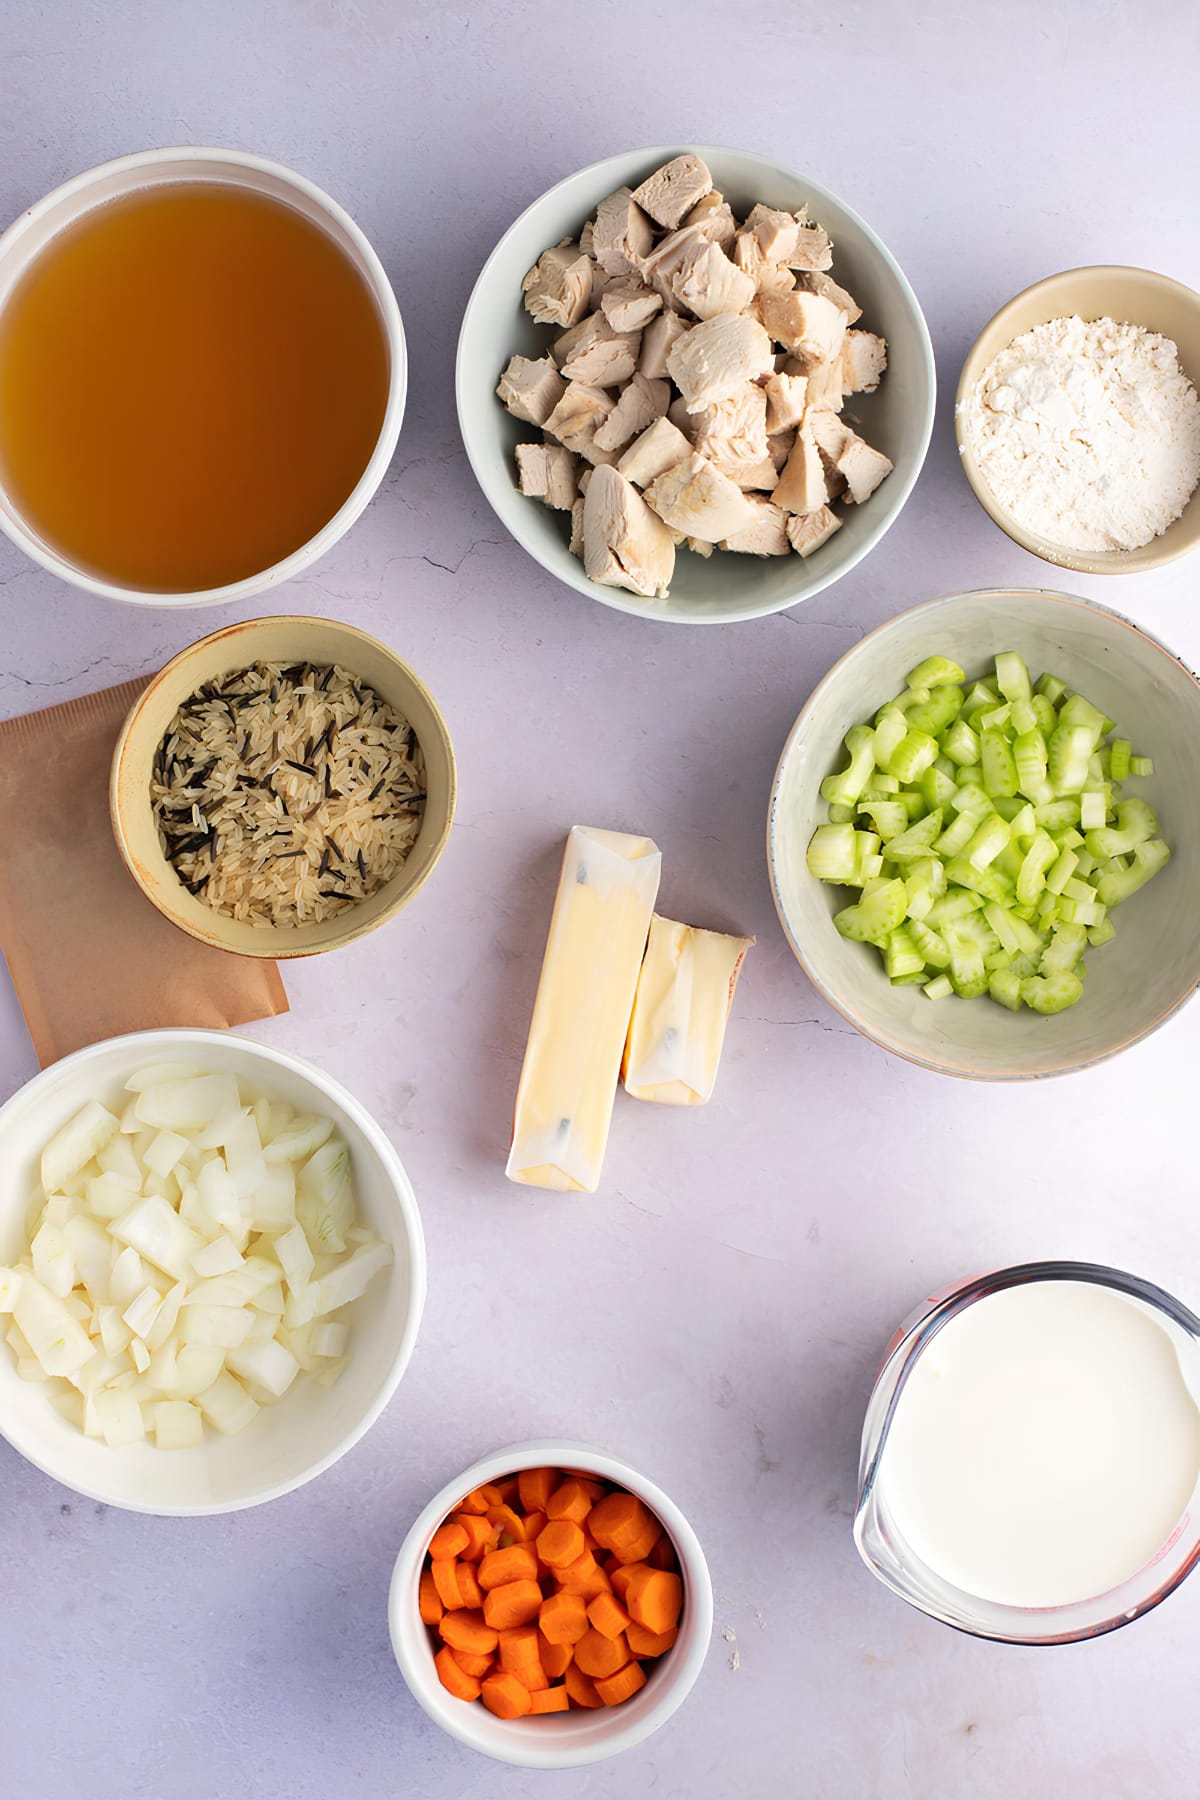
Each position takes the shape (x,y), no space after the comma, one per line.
(1133,983)
(28,235)
(897,419)
(311,1427)
(554,1740)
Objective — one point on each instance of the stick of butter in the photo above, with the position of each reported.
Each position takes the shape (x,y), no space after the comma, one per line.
(602,913)
(684,994)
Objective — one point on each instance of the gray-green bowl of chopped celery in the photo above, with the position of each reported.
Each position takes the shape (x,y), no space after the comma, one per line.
(984,834)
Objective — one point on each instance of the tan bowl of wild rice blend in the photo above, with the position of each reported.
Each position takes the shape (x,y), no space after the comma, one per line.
(282,787)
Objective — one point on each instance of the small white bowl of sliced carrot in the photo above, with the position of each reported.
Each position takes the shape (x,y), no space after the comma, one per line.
(550,1606)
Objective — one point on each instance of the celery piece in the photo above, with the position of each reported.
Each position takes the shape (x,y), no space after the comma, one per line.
(1067,944)
(866,847)
(979,694)
(913,802)
(844,789)
(969,797)
(890,731)
(994,718)
(889,817)
(1056,815)
(1051,687)
(1076,713)
(1104,932)
(1051,993)
(970,774)
(1005,987)
(1023,715)
(936,788)
(998,958)
(1141,765)
(1081,912)
(1024,823)
(1067,758)
(987,882)
(1044,714)
(1029,757)
(917,840)
(957,836)
(999,767)
(901,956)
(935,671)
(1008,806)
(975,928)
(1066,837)
(961,744)
(1078,890)
(1012,677)
(917,980)
(1062,871)
(870,867)
(931,944)
(913,755)
(940,988)
(997,917)
(1047,908)
(881,786)
(875,916)
(1148,859)
(833,853)
(953,905)
(1086,863)
(937,713)
(1010,862)
(1136,824)
(968,977)
(1120,753)
(988,841)
(841,815)
(1092,810)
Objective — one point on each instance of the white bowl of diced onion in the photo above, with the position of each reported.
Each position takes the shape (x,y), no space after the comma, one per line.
(208,1305)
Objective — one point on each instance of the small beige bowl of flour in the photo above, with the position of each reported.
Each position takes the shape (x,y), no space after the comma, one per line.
(1078,421)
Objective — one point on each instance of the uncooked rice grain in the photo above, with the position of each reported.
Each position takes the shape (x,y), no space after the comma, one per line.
(286,794)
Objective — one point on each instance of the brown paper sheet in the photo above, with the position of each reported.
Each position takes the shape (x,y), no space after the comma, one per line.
(89,956)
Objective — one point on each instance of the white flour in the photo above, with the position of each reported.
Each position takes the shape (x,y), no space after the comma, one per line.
(1088,435)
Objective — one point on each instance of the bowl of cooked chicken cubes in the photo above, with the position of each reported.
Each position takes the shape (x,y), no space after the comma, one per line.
(694,385)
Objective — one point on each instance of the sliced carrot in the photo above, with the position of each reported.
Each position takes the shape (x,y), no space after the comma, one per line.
(654,1597)
(560,1542)
(519,1654)
(508,1524)
(474,1502)
(623,1576)
(534,1523)
(607,1615)
(509,1489)
(455,1680)
(584,1576)
(649,1643)
(447,1541)
(469,1631)
(663,1554)
(550,1700)
(493,1493)
(535,1487)
(429,1600)
(555,1658)
(516,1562)
(563,1618)
(598,1655)
(445,1580)
(478,1666)
(596,1489)
(504,1695)
(613,1689)
(569,1501)
(623,1525)
(581,1689)
(516,1603)
(481,1535)
(468,1584)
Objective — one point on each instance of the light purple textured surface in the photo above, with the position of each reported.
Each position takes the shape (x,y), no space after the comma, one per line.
(715,1313)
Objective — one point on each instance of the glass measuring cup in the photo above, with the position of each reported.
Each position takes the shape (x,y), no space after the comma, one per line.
(892,1560)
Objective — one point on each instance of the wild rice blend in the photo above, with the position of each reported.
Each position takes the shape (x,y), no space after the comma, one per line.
(284,795)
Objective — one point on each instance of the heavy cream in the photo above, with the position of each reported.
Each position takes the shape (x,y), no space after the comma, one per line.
(1044,1447)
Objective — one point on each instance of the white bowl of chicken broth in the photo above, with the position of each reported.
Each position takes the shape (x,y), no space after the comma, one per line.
(212,1272)
(694,384)
(203,373)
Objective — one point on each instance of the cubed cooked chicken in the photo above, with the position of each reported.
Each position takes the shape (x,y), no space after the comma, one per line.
(628,304)
(704,360)
(698,500)
(717,356)
(621,234)
(549,473)
(786,400)
(862,362)
(766,535)
(577,418)
(807,532)
(674,189)
(657,340)
(806,324)
(531,389)
(558,288)
(624,544)
(639,404)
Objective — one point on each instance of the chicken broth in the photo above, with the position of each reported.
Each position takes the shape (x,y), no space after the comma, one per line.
(192,381)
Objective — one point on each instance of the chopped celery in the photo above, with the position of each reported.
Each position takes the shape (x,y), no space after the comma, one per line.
(956,837)
(875,916)
(1078,713)
(1092,810)
(901,956)
(940,988)
(988,882)
(993,718)
(968,976)
(1067,760)
(936,671)
(1051,687)
(936,788)
(890,732)
(1119,755)
(844,789)
(1136,824)
(979,694)
(841,815)
(931,944)
(1104,932)
(935,714)
(1005,988)
(1029,758)
(1141,765)
(1148,859)
(988,841)
(1044,714)
(961,744)
(913,755)
(954,905)
(1056,815)
(832,853)
(1012,677)
(881,786)
(888,817)
(1062,871)
(918,840)
(999,766)
(1051,993)
(1024,716)
(971,798)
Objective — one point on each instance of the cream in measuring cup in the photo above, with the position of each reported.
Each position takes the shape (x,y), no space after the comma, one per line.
(1034,1444)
